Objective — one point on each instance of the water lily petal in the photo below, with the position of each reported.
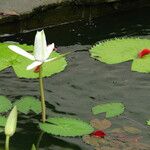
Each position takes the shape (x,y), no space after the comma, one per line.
(40,46)
(51,59)
(50,49)
(57,58)
(34,64)
(20,51)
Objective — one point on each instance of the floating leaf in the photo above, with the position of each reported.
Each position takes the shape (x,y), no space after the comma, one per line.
(49,68)
(132,130)
(2,123)
(7,57)
(100,124)
(5,104)
(141,64)
(148,122)
(111,109)
(27,104)
(119,50)
(66,127)
(19,63)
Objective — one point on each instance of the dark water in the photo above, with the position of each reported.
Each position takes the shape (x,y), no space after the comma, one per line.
(85,82)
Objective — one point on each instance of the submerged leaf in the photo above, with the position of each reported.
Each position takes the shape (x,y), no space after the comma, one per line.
(27,104)
(132,130)
(66,127)
(90,140)
(5,104)
(100,124)
(111,109)
(119,50)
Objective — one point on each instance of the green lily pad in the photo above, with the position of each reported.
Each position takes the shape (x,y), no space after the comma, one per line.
(19,63)
(111,109)
(148,122)
(141,64)
(7,57)
(2,123)
(27,104)
(118,50)
(66,127)
(5,104)
(49,68)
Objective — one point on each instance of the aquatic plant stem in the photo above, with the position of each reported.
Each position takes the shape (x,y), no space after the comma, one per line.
(7,142)
(43,106)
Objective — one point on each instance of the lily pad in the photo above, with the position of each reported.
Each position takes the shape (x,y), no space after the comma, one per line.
(27,104)
(5,104)
(19,63)
(141,64)
(111,109)
(118,50)
(49,68)
(148,122)
(2,123)
(7,57)
(66,127)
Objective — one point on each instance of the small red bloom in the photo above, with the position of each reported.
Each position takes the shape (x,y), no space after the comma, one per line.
(98,133)
(143,52)
(37,69)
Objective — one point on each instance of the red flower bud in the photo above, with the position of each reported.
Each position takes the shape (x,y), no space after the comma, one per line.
(98,133)
(143,52)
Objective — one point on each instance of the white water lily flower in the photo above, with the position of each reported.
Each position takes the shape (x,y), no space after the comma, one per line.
(41,51)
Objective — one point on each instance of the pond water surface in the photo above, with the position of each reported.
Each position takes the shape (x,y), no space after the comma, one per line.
(85,82)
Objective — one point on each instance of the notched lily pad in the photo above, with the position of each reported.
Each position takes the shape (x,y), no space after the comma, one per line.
(19,63)
(111,109)
(5,104)
(49,68)
(100,124)
(27,104)
(118,50)
(66,127)
(7,57)
(2,123)
(141,64)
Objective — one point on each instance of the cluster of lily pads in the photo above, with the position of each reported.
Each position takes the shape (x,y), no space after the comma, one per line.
(45,62)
